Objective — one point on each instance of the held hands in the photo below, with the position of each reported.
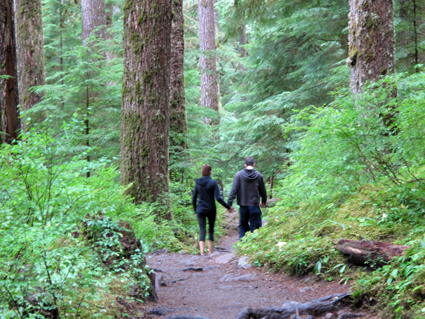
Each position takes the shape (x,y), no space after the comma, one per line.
(231,210)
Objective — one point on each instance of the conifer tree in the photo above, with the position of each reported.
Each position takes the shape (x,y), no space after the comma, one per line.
(209,86)
(9,121)
(145,116)
(29,53)
(371,41)
(178,121)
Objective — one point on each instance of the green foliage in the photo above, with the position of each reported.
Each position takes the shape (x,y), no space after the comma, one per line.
(83,80)
(44,197)
(354,176)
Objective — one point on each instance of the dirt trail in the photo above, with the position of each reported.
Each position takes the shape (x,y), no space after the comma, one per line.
(217,287)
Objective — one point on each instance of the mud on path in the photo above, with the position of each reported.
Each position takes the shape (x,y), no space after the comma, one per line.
(221,285)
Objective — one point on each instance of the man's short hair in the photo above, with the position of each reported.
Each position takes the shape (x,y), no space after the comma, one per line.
(249,161)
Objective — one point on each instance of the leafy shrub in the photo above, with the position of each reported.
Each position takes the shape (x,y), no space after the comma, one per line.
(44,197)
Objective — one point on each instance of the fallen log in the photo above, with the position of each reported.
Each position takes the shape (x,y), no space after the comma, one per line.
(316,307)
(370,253)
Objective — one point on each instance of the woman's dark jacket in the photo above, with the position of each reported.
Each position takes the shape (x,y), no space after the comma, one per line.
(207,190)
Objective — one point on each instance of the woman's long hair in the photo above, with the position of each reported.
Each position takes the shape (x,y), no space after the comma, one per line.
(206,170)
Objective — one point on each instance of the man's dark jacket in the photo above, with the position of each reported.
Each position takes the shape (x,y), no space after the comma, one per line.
(248,186)
(208,191)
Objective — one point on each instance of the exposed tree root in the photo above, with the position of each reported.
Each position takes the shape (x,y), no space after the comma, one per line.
(316,307)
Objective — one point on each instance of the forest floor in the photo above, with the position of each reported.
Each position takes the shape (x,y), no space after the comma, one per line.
(221,285)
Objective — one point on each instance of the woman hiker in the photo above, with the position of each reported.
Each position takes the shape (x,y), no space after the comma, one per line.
(207,190)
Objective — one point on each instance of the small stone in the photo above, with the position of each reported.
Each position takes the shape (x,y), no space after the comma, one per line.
(244,263)
(224,259)
(182,252)
(230,278)
(225,277)
(329,315)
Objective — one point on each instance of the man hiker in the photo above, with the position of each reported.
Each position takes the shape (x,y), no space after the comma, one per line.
(248,186)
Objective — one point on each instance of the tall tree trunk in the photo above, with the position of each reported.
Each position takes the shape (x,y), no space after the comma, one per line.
(209,86)
(178,122)
(93,18)
(371,41)
(29,53)
(111,10)
(145,116)
(8,87)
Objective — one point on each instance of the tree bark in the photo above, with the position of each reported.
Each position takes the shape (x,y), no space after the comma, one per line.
(29,53)
(178,121)
(145,116)
(242,41)
(9,121)
(209,85)
(93,16)
(371,41)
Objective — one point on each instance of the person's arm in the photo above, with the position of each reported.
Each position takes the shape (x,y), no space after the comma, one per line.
(218,197)
(194,197)
(234,190)
(263,191)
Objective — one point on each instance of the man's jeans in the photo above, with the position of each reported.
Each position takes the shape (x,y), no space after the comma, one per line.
(249,219)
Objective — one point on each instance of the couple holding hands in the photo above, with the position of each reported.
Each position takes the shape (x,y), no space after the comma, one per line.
(248,186)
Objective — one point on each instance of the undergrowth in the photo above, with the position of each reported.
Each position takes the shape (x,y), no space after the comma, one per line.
(47,265)
(354,175)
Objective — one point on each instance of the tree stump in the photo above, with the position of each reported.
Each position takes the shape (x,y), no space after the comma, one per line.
(370,253)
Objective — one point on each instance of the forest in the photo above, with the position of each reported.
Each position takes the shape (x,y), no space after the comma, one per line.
(109,109)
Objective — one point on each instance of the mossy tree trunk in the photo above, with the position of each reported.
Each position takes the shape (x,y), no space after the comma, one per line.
(145,116)
(29,53)
(178,121)
(8,87)
(371,41)
(209,85)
